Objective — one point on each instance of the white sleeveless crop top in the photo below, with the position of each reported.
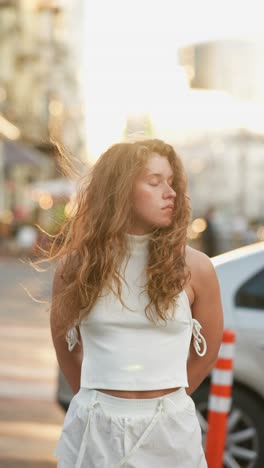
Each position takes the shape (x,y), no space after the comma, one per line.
(123,349)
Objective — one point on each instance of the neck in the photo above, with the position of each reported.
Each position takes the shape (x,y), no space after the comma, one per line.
(139,231)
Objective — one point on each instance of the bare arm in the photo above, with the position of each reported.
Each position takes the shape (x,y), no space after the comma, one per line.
(207,309)
(69,362)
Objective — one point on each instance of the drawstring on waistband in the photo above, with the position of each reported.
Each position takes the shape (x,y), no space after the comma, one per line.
(148,429)
(90,409)
(198,338)
(160,409)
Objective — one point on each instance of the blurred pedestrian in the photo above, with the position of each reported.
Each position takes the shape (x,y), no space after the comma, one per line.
(209,236)
(130,297)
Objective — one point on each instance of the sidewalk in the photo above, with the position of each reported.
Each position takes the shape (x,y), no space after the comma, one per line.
(30,418)
(28,433)
(10,248)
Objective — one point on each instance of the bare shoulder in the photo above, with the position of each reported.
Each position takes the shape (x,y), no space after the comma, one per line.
(201,268)
(198,260)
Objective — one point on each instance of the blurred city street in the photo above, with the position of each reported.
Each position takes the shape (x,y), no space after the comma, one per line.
(77,77)
(30,420)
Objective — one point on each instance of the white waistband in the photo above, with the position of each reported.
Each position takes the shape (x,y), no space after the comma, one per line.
(128,406)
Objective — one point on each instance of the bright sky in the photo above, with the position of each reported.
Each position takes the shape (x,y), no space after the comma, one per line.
(183,20)
(130,55)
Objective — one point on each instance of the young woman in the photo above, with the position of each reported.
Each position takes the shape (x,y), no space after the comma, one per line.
(129,301)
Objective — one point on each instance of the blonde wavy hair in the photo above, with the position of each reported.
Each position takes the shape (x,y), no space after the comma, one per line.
(93,243)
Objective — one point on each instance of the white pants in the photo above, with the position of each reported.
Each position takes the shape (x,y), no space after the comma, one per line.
(102,431)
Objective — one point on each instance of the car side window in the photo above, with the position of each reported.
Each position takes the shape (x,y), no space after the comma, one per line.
(251,293)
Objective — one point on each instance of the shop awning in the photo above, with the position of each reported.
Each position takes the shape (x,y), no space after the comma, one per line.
(15,153)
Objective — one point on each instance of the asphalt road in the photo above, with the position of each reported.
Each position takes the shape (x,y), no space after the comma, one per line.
(30,419)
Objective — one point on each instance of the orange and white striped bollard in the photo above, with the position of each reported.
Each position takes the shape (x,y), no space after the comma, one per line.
(220,401)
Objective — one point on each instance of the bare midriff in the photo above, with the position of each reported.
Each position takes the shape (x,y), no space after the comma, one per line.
(138,394)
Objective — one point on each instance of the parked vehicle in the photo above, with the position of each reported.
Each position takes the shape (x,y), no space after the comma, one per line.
(241,277)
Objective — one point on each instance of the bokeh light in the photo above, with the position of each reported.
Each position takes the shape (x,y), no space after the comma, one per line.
(260,233)
(199,225)
(45,201)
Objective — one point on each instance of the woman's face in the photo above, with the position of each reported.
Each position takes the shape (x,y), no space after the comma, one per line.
(153,197)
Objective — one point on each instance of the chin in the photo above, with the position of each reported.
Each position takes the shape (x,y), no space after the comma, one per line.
(164,224)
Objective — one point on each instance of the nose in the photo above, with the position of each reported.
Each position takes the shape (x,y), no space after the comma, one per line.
(169,192)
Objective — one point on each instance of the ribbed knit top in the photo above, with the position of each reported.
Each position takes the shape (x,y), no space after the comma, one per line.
(122,348)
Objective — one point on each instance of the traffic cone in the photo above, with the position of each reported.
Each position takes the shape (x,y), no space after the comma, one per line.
(220,401)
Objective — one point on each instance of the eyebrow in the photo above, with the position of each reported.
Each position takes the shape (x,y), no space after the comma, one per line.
(160,176)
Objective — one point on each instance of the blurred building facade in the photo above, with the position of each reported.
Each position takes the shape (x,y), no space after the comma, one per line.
(226,168)
(235,66)
(227,171)
(40,79)
(40,101)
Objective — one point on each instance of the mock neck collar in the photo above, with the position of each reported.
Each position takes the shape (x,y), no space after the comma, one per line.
(138,243)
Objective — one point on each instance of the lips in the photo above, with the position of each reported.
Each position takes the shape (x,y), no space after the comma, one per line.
(170,207)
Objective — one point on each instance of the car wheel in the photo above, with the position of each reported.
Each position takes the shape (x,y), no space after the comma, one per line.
(245,432)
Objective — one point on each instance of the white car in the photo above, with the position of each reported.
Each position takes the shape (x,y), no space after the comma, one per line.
(241,276)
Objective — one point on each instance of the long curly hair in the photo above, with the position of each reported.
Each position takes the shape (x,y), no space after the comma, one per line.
(93,243)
